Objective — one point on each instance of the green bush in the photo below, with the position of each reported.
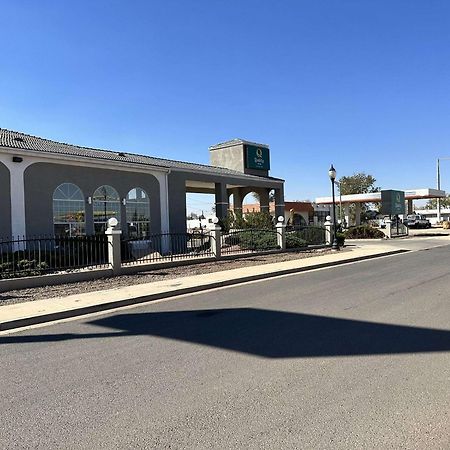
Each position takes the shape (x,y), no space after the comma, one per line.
(258,240)
(363,232)
(295,240)
(259,220)
(340,237)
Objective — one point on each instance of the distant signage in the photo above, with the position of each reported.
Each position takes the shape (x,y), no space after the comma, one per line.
(257,157)
(392,202)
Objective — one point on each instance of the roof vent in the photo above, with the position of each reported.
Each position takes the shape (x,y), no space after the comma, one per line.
(19,139)
(121,154)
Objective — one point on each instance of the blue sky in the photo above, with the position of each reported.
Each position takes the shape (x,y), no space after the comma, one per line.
(364,84)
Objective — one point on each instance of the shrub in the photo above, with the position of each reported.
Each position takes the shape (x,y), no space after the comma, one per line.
(295,240)
(340,237)
(258,240)
(259,220)
(363,232)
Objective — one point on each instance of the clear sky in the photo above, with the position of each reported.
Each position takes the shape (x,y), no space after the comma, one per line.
(362,84)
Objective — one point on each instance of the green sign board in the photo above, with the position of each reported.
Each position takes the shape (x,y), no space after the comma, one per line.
(257,157)
(392,202)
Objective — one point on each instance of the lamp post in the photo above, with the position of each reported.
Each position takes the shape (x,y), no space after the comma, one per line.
(332,175)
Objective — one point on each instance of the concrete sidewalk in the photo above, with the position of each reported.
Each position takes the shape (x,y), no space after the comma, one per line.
(40,311)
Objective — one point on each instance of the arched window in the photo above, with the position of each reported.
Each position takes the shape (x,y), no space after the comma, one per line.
(106,203)
(138,213)
(68,210)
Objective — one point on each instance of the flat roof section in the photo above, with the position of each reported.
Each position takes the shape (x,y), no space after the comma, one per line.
(410,194)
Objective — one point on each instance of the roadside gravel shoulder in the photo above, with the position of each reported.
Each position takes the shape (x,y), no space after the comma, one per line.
(41,293)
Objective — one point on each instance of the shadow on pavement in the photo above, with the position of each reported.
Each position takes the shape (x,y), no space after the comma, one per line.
(266,333)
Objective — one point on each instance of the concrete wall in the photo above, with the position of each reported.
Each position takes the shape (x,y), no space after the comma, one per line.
(230,157)
(5,202)
(41,179)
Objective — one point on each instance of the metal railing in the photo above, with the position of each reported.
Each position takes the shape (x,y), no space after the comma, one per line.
(165,247)
(22,256)
(300,236)
(249,240)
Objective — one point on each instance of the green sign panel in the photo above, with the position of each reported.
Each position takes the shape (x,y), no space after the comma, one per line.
(257,157)
(392,202)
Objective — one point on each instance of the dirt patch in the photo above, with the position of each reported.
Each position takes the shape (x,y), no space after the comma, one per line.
(167,273)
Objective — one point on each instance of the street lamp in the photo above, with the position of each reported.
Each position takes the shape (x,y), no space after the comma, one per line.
(438,173)
(332,175)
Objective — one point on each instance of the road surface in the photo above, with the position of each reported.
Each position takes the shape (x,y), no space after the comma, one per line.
(351,357)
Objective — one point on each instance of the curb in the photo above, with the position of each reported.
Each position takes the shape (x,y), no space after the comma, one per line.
(50,317)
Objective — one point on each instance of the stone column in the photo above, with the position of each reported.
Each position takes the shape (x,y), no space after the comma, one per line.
(279,202)
(215,233)
(221,200)
(114,246)
(264,200)
(410,208)
(347,214)
(357,214)
(281,235)
(237,200)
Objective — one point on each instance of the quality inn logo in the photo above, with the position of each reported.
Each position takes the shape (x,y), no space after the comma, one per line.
(259,152)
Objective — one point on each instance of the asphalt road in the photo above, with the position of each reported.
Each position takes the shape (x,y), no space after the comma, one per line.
(351,357)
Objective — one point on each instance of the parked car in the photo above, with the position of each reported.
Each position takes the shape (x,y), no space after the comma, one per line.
(416,221)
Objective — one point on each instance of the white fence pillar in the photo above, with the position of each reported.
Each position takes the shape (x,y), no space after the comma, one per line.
(388,231)
(281,235)
(328,225)
(215,233)
(114,246)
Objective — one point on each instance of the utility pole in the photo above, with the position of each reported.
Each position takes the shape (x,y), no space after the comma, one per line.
(438,185)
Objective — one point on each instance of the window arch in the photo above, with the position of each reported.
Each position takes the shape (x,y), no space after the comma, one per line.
(68,210)
(138,213)
(106,203)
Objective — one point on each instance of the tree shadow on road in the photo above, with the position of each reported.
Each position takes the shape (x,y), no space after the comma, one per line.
(265,333)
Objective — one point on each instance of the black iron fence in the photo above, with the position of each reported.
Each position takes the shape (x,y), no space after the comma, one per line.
(20,257)
(301,236)
(166,247)
(249,241)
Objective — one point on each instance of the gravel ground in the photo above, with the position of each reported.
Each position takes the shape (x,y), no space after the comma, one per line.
(39,293)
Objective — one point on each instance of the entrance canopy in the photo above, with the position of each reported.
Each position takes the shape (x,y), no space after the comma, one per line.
(410,194)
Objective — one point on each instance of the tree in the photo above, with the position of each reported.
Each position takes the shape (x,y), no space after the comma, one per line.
(358,183)
(432,203)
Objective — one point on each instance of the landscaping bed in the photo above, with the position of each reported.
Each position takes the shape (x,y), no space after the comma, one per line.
(40,293)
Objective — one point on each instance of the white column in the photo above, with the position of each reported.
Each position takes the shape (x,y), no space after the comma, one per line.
(357,214)
(163,200)
(347,214)
(164,210)
(17,186)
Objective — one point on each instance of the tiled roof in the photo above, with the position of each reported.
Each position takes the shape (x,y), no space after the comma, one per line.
(15,139)
(236,142)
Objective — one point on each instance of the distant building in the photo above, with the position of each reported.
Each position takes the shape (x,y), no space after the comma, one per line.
(295,212)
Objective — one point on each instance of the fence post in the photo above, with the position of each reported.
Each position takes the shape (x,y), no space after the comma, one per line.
(281,234)
(215,233)
(114,246)
(328,226)
(388,223)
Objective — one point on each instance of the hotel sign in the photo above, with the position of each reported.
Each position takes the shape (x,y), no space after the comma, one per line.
(257,157)
(392,202)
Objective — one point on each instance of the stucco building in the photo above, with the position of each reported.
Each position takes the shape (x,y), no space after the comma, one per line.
(48,187)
